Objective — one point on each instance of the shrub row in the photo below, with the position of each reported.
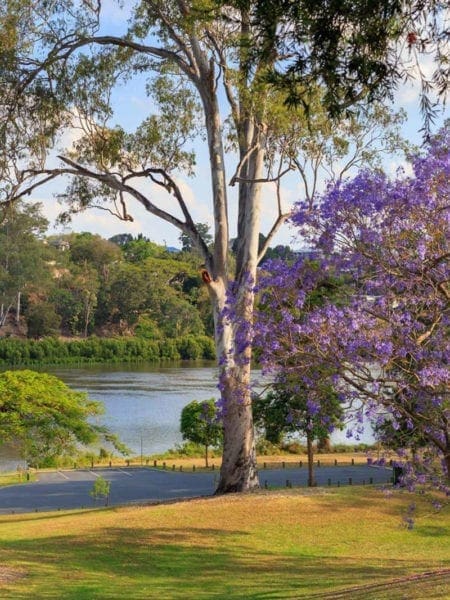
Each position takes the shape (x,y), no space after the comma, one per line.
(14,352)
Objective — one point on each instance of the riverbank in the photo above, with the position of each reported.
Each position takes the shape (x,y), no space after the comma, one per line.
(15,352)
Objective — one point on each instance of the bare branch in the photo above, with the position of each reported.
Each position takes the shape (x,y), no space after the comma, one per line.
(261,179)
(282,217)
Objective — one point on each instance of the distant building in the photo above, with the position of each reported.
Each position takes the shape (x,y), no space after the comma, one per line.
(60,244)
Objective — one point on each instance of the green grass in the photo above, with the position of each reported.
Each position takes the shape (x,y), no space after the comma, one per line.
(277,545)
(15,478)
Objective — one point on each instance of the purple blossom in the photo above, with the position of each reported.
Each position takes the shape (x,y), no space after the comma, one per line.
(386,342)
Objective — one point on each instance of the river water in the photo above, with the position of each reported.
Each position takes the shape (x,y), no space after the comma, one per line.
(143,402)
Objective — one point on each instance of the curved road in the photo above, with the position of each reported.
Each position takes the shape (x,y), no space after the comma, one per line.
(70,489)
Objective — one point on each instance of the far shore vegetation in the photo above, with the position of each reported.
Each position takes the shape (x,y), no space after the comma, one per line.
(93,350)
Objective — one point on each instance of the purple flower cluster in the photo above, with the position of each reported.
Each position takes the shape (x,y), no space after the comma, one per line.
(383,342)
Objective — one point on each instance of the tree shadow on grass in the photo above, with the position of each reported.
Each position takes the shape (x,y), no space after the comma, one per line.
(191,563)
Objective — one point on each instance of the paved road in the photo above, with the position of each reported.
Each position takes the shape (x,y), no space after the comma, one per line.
(70,489)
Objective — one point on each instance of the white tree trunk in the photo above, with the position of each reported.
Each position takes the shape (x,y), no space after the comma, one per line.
(239,471)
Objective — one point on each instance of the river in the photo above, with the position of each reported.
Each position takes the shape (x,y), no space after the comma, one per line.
(143,402)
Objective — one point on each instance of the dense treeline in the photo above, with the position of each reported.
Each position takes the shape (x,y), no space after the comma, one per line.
(98,350)
(79,284)
(77,297)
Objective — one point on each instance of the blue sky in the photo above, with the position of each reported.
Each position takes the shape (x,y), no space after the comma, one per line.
(131,106)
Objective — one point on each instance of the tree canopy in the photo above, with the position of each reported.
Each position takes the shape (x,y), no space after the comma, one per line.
(200,423)
(47,418)
(356,48)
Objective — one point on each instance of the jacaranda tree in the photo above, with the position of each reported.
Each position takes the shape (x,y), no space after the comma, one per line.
(387,349)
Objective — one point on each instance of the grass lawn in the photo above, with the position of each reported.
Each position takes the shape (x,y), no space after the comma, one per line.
(342,543)
(15,478)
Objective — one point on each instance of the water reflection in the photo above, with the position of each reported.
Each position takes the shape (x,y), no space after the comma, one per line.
(143,403)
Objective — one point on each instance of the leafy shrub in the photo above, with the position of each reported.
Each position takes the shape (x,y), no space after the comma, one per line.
(266,448)
(42,320)
(294,448)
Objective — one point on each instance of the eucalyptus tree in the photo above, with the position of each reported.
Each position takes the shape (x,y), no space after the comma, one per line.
(355,48)
(23,256)
(60,68)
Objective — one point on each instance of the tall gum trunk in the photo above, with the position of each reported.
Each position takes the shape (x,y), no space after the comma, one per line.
(239,469)
(238,472)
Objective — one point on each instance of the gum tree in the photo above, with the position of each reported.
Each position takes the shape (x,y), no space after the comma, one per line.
(60,67)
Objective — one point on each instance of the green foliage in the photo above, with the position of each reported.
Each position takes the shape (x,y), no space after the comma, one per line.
(23,254)
(147,328)
(200,424)
(283,411)
(42,320)
(93,249)
(45,416)
(103,350)
(266,448)
(186,242)
(101,489)
(139,249)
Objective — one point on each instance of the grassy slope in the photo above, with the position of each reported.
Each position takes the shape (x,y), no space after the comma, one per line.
(287,544)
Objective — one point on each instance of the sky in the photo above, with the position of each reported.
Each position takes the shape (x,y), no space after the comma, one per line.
(131,106)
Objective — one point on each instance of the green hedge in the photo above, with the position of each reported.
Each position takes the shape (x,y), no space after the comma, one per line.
(15,352)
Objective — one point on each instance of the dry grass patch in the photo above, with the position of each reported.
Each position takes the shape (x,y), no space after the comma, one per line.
(286,544)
